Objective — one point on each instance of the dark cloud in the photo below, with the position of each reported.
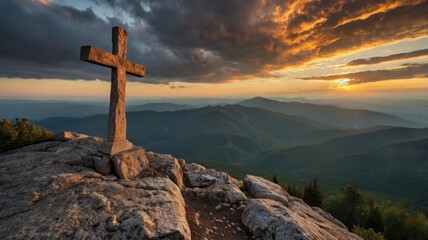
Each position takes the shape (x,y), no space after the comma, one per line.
(41,41)
(178,87)
(394,57)
(199,41)
(407,72)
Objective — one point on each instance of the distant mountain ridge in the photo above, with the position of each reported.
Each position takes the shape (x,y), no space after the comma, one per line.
(240,131)
(334,116)
(41,109)
(161,107)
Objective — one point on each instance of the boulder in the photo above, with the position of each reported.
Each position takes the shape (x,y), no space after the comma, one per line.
(168,165)
(259,187)
(213,184)
(102,164)
(274,214)
(44,195)
(270,219)
(199,176)
(220,192)
(128,164)
(65,136)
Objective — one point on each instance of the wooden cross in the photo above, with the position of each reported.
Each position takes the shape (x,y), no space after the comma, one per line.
(116,134)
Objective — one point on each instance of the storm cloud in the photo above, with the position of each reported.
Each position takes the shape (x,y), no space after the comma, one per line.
(199,41)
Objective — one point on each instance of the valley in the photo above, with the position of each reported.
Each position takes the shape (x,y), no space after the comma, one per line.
(379,158)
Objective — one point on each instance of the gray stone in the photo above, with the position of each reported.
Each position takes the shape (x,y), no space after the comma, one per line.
(277,215)
(213,184)
(44,197)
(128,164)
(102,164)
(88,161)
(220,192)
(112,148)
(168,165)
(270,219)
(199,176)
(259,187)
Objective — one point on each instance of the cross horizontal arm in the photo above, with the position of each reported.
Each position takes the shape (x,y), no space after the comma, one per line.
(98,56)
(135,69)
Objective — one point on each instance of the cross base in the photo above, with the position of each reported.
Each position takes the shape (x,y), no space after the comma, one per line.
(112,148)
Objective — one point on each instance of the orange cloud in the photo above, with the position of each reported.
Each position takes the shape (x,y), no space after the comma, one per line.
(390,58)
(405,72)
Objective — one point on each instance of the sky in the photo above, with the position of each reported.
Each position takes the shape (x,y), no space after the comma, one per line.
(221,48)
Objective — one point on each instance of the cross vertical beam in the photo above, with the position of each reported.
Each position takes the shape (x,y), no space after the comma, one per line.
(117,115)
(116,133)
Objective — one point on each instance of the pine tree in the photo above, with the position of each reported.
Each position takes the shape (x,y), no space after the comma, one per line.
(274,179)
(294,191)
(374,219)
(312,195)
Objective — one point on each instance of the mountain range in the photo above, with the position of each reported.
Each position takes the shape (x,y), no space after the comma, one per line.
(334,116)
(370,149)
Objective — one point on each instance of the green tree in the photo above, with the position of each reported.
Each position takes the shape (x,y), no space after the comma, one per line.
(274,179)
(294,191)
(374,218)
(353,206)
(312,194)
(367,234)
(7,135)
(394,221)
(348,206)
(416,227)
(394,216)
(20,134)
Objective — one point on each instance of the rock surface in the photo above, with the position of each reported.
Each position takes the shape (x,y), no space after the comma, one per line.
(51,191)
(273,214)
(128,164)
(212,184)
(102,164)
(167,164)
(199,176)
(262,188)
(46,193)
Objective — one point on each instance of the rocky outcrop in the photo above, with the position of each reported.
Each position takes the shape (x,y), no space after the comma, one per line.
(47,193)
(212,184)
(68,189)
(273,214)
